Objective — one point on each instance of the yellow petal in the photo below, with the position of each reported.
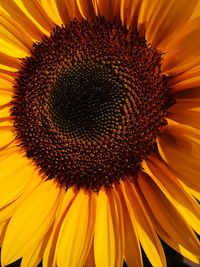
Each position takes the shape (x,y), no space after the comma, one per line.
(52,8)
(16,173)
(32,257)
(7,125)
(7,69)
(178,145)
(6,88)
(5,101)
(187,254)
(133,255)
(8,211)
(194,193)
(108,237)
(5,112)
(49,253)
(3,227)
(145,230)
(118,223)
(9,47)
(18,11)
(6,152)
(20,18)
(164,211)
(5,121)
(5,92)
(6,136)
(76,232)
(13,34)
(174,191)
(30,222)
(35,9)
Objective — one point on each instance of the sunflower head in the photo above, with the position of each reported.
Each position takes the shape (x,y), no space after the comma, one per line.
(85,99)
(99,130)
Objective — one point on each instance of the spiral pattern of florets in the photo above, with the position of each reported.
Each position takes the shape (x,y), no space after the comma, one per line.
(89,103)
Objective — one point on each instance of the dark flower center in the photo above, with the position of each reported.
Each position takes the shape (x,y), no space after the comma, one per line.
(85,101)
(89,103)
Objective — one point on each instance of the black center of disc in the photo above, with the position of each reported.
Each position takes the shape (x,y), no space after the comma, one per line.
(89,103)
(85,101)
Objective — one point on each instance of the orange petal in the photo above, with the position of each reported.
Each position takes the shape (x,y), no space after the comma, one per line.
(118,222)
(10,61)
(108,9)
(186,112)
(188,93)
(174,191)
(51,6)
(178,145)
(185,80)
(86,8)
(7,72)
(20,17)
(183,54)
(196,12)
(133,255)
(129,12)
(17,36)
(90,258)
(159,227)
(157,19)
(145,230)
(6,79)
(40,15)
(165,212)
(49,253)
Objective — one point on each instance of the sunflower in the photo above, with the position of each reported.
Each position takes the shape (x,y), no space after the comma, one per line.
(99,131)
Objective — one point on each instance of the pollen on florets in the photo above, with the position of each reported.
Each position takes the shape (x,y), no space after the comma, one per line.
(89,103)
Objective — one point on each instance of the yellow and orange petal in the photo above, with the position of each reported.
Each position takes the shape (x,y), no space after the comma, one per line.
(162,201)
